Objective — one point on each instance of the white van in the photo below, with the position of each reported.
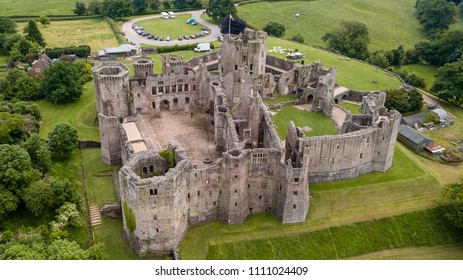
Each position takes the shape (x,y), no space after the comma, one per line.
(165,15)
(203,47)
(171,14)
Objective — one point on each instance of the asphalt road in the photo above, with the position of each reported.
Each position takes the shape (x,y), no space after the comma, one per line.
(133,37)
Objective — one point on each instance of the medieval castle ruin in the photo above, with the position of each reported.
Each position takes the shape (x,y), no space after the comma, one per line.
(225,159)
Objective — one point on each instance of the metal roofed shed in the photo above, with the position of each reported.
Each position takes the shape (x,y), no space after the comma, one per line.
(413,138)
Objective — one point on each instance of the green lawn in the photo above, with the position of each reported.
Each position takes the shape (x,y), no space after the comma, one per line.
(353,108)
(4,58)
(81,114)
(170,27)
(427,72)
(100,190)
(350,73)
(93,32)
(421,228)
(390,23)
(443,252)
(38,7)
(318,122)
(280,99)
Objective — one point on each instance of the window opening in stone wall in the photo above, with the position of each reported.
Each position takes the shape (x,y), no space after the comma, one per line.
(155,191)
(236,203)
(296,180)
(194,87)
(378,152)
(180,88)
(188,196)
(180,81)
(167,89)
(236,176)
(250,209)
(153,91)
(151,192)
(236,67)
(295,192)
(259,158)
(250,67)
(236,190)
(174,88)
(157,230)
(361,155)
(145,170)
(215,203)
(160,82)
(260,197)
(186,87)
(155,217)
(198,193)
(294,206)
(151,168)
(249,185)
(160,90)
(153,105)
(280,188)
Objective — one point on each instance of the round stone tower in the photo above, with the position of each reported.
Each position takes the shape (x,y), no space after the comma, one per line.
(143,67)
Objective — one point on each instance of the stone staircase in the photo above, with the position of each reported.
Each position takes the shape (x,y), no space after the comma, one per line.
(95,216)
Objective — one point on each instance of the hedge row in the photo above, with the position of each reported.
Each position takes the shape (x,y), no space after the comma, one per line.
(116,30)
(80,51)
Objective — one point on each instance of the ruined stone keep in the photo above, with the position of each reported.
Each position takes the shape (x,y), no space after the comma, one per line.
(166,186)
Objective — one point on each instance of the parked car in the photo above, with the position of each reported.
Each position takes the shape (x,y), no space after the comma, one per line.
(194,23)
(155,37)
(186,37)
(205,32)
(150,37)
(144,34)
(161,38)
(204,28)
(220,38)
(139,32)
(198,35)
(193,36)
(168,38)
(180,38)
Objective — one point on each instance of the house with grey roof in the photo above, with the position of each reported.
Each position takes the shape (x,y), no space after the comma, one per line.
(413,138)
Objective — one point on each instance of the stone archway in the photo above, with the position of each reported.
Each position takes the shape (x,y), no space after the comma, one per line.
(165,105)
(309,99)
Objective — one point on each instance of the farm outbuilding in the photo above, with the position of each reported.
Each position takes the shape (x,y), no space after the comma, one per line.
(413,138)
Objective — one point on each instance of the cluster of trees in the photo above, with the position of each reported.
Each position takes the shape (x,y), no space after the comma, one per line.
(123,8)
(403,101)
(21,48)
(82,51)
(436,15)
(350,38)
(219,9)
(62,83)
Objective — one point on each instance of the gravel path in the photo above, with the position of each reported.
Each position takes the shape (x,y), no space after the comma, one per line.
(133,37)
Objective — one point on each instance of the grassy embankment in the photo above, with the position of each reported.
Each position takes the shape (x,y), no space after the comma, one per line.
(322,16)
(407,186)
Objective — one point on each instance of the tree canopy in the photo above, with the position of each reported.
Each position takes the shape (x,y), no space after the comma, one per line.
(350,38)
(60,83)
(7,25)
(274,29)
(449,82)
(80,8)
(44,20)
(62,141)
(435,15)
(33,33)
(117,8)
(453,204)
(403,101)
(218,9)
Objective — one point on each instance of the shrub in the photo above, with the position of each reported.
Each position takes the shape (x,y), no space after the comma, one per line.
(431,117)
(298,38)
(274,29)
(129,217)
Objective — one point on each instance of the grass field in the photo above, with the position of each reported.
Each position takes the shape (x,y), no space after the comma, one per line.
(80,114)
(322,16)
(443,252)
(427,72)
(354,108)
(100,190)
(171,27)
(421,228)
(4,59)
(318,122)
(351,74)
(38,7)
(93,32)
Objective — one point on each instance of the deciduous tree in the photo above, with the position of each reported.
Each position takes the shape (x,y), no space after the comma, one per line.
(7,25)
(274,29)
(140,5)
(94,7)
(350,38)
(44,20)
(60,83)
(218,9)
(62,141)
(117,8)
(80,8)
(449,82)
(435,15)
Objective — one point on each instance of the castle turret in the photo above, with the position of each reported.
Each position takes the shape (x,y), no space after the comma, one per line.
(246,51)
(112,102)
(143,67)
